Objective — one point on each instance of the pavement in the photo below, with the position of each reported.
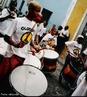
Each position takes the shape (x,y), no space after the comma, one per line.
(54,87)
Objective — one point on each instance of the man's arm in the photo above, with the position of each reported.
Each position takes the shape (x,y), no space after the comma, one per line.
(5,18)
(11,42)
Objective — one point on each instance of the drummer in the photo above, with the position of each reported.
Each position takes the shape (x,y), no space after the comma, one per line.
(17,50)
(74,49)
(7,16)
(49,41)
(80,76)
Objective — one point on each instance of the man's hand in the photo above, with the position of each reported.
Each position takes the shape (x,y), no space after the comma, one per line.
(21,44)
(10,16)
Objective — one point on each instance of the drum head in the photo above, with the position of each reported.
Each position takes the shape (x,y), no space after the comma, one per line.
(39,55)
(50,54)
(28,81)
(33,60)
(3,46)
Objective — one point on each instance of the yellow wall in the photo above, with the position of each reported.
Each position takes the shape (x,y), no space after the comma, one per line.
(74,20)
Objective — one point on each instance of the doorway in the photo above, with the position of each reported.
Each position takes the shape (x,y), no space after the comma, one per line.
(46,15)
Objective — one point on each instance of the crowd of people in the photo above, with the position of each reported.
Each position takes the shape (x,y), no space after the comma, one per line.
(13,30)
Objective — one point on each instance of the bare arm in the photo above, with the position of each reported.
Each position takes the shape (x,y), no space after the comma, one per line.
(11,42)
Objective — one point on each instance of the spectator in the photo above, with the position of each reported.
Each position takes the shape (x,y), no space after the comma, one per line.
(63,37)
(60,28)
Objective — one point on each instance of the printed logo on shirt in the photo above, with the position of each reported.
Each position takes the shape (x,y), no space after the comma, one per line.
(76,47)
(26,28)
(26,37)
(76,51)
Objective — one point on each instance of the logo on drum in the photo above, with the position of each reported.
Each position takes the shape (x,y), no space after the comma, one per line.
(26,37)
(76,51)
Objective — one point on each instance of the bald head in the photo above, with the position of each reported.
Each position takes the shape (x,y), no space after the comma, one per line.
(33,4)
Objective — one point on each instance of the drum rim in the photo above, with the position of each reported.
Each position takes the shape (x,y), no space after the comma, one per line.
(21,94)
(33,60)
(51,51)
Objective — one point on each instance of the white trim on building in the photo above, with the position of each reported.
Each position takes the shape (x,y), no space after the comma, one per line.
(69,11)
(81,25)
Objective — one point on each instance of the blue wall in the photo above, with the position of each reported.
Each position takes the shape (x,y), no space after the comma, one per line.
(58,7)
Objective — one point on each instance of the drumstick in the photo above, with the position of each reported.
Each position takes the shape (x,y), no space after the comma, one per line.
(38,18)
(82,61)
(36,52)
(29,32)
(76,56)
(79,56)
(18,10)
(42,61)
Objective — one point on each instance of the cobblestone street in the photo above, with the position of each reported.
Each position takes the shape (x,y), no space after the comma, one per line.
(55,88)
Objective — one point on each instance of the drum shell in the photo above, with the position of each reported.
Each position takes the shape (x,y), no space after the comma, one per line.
(49,64)
(48,59)
(69,73)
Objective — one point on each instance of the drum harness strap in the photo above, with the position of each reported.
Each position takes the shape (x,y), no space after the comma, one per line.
(74,85)
(42,65)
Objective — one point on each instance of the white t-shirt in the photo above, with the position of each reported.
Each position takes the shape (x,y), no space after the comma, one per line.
(6,23)
(18,31)
(65,32)
(48,36)
(74,47)
(41,30)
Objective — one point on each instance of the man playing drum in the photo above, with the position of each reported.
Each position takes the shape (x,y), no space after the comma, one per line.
(74,49)
(50,40)
(7,16)
(19,37)
(80,77)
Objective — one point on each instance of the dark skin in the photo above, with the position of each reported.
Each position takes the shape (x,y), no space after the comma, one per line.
(32,15)
(12,8)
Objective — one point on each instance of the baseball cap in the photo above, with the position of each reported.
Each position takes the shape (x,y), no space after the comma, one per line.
(80,36)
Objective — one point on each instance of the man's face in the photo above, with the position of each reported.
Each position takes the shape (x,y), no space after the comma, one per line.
(35,13)
(54,32)
(13,6)
(80,40)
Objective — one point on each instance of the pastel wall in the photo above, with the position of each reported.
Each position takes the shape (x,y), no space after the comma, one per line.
(58,7)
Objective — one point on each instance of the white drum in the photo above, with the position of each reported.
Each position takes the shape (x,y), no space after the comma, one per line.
(3,46)
(39,55)
(50,54)
(32,60)
(28,81)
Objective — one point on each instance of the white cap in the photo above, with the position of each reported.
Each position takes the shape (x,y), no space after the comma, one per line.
(80,36)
